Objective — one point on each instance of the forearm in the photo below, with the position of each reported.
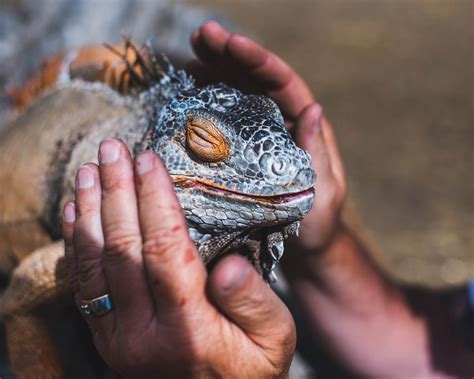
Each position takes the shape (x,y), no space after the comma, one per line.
(364,318)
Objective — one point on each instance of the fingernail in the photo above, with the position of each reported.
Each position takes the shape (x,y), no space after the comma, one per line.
(69,213)
(144,162)
(109,151)
(317,125)
(85,178)
(318,110)
(234,277)
(211,22)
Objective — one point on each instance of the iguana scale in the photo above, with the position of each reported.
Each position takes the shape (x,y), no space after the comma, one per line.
(241,180)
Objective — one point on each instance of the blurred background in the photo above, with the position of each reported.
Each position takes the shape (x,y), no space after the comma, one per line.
(394,76)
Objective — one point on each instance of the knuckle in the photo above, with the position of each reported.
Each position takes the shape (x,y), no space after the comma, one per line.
(87,247)
(116,181)
(119,227)
(161,245)
(121,242)
(88,208)
(87,203)
(164,239)
(89,269)
(256,301)
(118,247)
(112,185)
(156,247)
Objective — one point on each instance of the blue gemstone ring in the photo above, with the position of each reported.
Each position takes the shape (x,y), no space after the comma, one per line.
(97,307)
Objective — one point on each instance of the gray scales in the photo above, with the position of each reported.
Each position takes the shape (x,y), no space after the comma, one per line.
(253,196)
(62,129)
(241,180)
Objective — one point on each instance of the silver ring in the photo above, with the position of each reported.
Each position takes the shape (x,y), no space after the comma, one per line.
(98,306)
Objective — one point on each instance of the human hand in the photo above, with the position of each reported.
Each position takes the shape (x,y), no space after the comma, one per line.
(243,63)
(313,133)
(126,236)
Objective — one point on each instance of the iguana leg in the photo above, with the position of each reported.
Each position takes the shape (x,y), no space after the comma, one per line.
(40,278)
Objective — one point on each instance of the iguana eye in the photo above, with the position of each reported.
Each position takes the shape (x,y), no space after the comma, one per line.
(205,140)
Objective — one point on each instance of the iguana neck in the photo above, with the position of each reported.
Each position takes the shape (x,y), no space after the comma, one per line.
(119,117)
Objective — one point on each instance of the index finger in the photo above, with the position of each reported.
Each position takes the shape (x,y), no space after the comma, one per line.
(215,46)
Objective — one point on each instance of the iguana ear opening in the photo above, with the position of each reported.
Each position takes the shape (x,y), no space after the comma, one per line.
(205,140)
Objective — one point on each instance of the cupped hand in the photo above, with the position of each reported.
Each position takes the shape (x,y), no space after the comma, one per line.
(313,133)
(241,62)
(126,236)
(244,64)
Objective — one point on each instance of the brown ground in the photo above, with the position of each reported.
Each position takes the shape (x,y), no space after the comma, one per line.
(396,79)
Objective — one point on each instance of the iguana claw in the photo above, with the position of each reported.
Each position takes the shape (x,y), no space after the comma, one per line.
(277,250)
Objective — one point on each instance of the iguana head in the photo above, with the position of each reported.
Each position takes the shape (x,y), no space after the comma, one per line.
(238,174)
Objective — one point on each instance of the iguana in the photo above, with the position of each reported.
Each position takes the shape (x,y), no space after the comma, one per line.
(241,180)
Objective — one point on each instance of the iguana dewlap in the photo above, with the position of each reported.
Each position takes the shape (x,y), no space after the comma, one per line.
(241,180)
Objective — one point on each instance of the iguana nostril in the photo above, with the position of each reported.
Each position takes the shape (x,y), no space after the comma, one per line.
(279,166)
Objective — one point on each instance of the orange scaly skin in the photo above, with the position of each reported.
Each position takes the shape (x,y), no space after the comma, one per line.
(91,63)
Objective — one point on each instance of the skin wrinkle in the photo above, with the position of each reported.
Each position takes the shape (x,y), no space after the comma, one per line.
(299,87)
(116,185)
(88,267)
(285,78)
(321,272)
(254,113)
(230,104)
(116,249)
(161,246)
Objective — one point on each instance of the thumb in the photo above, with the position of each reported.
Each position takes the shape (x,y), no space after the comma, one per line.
(314,133)
(310,133)
(243,296)
(309,136)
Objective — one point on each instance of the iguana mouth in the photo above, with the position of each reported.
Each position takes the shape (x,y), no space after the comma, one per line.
(184,182)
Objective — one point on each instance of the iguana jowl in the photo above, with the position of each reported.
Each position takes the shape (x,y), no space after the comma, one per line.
(241,180)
